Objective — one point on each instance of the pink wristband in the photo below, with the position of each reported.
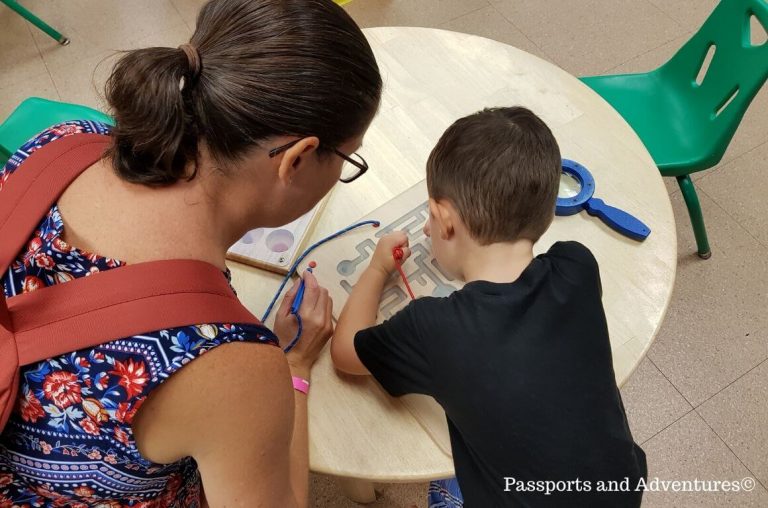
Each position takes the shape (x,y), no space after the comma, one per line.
(300,384)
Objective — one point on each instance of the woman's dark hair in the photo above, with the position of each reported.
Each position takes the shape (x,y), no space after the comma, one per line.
(267,67)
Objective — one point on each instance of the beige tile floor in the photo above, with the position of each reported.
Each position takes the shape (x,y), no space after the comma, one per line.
(699,403)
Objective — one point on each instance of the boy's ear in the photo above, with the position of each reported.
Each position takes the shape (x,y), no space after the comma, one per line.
(292,159)
(446,216)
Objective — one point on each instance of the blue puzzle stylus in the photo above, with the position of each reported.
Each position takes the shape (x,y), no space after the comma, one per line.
(295,305)
(300,292)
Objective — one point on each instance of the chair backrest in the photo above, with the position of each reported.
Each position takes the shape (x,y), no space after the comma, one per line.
(34,115)
(737,68)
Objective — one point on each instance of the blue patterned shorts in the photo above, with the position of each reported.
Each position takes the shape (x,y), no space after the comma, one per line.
(445,494)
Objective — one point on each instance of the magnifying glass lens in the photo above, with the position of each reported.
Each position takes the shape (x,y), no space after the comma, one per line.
(569,186)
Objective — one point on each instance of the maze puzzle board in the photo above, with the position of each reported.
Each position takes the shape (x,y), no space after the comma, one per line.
(276,249)
(341,262)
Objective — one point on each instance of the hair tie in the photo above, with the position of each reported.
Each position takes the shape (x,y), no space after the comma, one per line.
(193,60)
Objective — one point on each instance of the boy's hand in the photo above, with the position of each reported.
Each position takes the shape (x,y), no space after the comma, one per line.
(384,259)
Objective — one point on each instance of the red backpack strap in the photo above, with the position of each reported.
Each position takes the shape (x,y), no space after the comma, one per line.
(122,302)
(28,196)
(25,199)
(105,306)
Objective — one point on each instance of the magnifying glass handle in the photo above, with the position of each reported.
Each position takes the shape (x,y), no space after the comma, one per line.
(618,220)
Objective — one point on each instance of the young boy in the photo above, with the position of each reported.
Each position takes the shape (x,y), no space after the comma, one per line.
(519,358)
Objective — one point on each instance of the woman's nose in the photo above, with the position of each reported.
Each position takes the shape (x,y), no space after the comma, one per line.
(426,228)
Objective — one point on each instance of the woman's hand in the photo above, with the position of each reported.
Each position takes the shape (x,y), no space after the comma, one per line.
(316,312)
(384,259)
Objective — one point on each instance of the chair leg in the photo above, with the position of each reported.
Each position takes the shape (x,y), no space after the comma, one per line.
(39,23)
(694,211)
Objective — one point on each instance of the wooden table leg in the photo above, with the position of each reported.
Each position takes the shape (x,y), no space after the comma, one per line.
(359,491)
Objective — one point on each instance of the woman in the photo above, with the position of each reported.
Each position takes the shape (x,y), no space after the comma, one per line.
(249,125)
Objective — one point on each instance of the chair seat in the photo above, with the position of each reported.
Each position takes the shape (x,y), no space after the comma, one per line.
(34,115)
(662,119)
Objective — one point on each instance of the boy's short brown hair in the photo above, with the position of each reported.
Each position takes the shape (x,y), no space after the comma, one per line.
(500,168)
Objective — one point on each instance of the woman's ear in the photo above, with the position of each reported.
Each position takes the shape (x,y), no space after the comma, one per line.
(446,216)
(294,158)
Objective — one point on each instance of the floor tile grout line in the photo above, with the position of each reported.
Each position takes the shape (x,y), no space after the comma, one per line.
(654,6)
(605,71)
(670,382)
(729,384)
(667,426)
(497,11)
(754,476)
(696,406)
(724,163)
(173,4)
(702,191)
(613,69)
(505,19)
(734,219)
(665,14)
(511,22)
(42,59)
(693,410)
(487,4)
(731,161)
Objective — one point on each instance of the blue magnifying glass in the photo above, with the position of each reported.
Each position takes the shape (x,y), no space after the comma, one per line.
(616,219)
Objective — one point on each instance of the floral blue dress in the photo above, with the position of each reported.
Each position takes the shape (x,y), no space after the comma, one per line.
(69,440)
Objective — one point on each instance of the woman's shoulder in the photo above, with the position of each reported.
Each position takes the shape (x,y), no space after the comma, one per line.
(236,388)
(53,133)
(161,354)
(218,350)
(117,376)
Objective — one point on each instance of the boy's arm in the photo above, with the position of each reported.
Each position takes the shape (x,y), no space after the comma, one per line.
(359,313)
(362,305)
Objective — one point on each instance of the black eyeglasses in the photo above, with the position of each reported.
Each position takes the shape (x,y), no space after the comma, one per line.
(353,168)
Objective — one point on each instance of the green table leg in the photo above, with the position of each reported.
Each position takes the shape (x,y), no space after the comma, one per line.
(39,23)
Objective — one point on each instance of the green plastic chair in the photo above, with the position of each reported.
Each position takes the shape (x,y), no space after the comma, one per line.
(39,23)
(35,115)
(687,120)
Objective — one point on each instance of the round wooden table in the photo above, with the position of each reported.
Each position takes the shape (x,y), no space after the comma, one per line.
(431,78)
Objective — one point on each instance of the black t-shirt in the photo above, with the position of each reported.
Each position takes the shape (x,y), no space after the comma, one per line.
(524,373)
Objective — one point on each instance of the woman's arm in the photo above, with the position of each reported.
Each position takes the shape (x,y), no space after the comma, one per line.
(363,303)
(235,411)
(231,409)
(252,442)
(300,442)
(316,313)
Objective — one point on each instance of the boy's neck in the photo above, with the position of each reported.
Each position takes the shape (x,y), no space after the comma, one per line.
(497,262)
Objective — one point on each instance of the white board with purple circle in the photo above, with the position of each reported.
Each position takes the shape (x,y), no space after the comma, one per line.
(275,249)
